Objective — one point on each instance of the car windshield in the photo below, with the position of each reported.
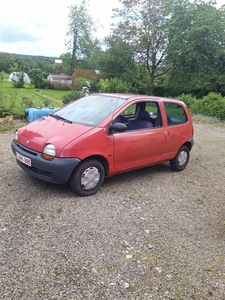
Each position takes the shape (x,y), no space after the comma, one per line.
(90,110)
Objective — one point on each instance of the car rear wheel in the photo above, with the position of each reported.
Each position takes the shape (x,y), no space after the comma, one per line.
(181,159)
(87,178)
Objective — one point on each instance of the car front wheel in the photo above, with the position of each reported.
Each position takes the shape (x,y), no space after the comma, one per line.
(87,178)
(181,159)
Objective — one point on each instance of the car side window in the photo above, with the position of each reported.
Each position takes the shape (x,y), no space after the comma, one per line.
(155,114)
(176,114)
(130,111)
(127,115)
(141,115)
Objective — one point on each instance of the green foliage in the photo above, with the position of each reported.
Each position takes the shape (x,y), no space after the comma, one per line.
(20,82)
(79,82)
(116,85)
(58,86)
(13,101)
(143,25)
(66,65)
(197,48)
(212,105)
(9,62)
(37,77)
(118,59)
(79,35)
(74,95)
(2,76)
(188,99)
(81,90)
(6,61)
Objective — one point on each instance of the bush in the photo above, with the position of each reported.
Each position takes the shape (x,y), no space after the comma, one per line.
(74,95)
(58,86)
(116,85)
(212,105)
(190,101)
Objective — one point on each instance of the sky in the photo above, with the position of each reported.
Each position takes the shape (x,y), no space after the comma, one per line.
(39,27)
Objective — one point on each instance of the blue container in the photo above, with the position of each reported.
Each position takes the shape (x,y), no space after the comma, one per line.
(36,113)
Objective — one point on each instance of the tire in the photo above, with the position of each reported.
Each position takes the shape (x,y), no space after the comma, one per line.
(181,159)
(87,178)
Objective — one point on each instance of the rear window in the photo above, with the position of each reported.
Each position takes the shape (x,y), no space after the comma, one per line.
(175,114)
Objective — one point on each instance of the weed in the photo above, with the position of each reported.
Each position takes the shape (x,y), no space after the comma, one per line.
(131,288)
(208,269)
(199,201)
(135,255)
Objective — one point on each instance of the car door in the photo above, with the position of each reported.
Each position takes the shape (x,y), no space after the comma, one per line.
(138,148)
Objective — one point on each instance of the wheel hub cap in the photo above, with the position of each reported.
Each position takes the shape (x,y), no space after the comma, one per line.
(90,178)
(182,158)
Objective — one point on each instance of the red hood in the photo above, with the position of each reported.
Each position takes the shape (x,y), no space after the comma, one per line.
(38,133)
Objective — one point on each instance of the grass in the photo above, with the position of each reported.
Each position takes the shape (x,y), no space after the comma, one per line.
(12,125)
(16,100)
(198,118)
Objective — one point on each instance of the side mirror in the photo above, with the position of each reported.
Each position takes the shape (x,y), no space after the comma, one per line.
(119,127)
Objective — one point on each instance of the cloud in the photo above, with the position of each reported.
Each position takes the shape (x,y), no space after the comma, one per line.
(12,34)
(39,27)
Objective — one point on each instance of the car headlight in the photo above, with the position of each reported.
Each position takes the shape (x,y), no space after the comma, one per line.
(15,138)
(49,152)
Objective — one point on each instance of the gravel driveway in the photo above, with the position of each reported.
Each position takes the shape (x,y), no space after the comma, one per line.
(149,234)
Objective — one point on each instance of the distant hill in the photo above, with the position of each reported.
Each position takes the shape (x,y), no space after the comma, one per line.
(38,57)
(29,62)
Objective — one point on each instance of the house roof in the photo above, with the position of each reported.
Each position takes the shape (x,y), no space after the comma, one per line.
(61,76)
(85,73)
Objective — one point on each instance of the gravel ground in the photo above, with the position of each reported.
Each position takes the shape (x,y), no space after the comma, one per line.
(148,234)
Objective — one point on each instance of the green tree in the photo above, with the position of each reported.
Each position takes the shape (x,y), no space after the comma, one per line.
(142,25)
(79,34)
(6,61)
(37,77)
(66,62)
(92,61)
(18,69)
(2,76)
(197,47)
(118,59)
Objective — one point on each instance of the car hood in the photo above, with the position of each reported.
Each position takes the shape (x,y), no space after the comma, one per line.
(38,133)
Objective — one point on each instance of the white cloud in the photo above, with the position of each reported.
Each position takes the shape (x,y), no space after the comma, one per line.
(39,27)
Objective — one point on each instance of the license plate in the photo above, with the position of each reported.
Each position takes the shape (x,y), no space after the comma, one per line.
(25,160)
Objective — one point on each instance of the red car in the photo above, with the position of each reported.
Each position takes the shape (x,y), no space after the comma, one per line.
(102,135)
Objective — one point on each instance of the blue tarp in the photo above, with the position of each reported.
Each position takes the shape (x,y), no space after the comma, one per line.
(36,113)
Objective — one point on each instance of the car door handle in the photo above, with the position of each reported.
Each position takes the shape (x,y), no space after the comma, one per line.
(166,134)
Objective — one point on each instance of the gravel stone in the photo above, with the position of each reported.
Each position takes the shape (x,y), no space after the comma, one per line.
(148,234)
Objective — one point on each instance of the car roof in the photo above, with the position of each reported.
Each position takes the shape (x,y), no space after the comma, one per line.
(138,96)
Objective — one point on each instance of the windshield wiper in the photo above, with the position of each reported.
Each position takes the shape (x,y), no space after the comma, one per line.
(60,118)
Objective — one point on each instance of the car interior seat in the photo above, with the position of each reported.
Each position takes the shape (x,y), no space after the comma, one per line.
(142,121)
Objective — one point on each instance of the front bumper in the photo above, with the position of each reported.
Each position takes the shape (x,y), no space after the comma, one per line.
(57,171)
